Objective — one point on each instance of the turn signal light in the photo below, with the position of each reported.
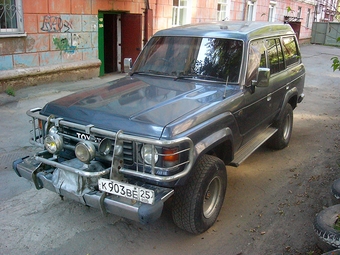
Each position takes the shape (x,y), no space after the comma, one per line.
(170,154)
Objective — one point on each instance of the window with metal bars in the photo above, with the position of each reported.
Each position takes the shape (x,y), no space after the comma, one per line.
(11,17)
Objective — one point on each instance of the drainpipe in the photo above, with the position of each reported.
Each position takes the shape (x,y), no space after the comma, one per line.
(148,22)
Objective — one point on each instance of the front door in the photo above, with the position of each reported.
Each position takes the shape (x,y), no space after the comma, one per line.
(119,37)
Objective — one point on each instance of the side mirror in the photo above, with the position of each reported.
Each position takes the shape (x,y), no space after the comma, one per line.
(263,77)
(127,65)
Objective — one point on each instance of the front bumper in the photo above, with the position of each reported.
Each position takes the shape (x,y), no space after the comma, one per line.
(33,170)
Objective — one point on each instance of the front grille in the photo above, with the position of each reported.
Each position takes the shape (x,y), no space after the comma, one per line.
(72,137)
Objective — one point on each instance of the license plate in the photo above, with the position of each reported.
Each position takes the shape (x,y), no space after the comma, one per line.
(127,190)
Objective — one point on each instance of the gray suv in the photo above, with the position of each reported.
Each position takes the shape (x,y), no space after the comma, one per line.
(199,97)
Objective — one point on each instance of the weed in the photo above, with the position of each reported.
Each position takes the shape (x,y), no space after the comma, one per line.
(10,91)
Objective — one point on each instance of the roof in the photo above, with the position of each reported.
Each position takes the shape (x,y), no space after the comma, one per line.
(229,29)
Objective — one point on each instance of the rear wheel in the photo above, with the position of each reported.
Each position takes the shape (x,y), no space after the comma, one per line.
(197,204)
(281,138)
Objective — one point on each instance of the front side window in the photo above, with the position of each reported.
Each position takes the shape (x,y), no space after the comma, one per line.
(179,12)
(11,17)
(256,58)
(290,50)
(203,58)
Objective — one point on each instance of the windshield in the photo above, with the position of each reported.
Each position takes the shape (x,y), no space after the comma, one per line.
(185,57)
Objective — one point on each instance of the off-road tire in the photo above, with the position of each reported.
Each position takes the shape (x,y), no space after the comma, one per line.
(281,138)
(336,189)
(324,225)
(197,204)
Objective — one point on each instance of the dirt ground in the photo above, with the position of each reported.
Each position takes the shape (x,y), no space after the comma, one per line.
(272,198)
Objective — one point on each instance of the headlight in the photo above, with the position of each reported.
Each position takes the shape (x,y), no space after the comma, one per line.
(149,153)
(85,151)
(53,143)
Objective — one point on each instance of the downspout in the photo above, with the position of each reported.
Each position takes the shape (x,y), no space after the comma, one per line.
(148,22)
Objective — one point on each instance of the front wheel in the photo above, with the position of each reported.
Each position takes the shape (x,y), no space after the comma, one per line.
(281,138)
(197,204)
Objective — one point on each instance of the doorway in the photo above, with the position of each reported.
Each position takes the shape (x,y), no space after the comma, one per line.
(119,37)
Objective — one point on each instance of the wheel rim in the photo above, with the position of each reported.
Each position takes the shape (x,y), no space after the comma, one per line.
(211,197)
(287,126)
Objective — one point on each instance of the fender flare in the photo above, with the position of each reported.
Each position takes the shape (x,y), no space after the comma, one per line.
(213,139)
(290,93)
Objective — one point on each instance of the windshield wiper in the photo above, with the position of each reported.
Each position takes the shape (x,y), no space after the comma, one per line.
(150,72)
(200,76)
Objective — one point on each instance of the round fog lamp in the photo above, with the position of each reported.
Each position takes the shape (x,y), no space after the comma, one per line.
(53,143)
(148,153)
(85,151)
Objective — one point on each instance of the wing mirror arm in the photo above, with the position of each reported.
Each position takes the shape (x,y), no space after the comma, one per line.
(262,79)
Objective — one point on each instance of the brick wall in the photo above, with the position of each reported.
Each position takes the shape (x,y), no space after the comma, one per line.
(66,31)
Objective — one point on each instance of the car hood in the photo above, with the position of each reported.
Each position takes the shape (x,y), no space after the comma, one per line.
(140,105)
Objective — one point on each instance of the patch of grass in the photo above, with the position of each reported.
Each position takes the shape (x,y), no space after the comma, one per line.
(337,223)
(10,91)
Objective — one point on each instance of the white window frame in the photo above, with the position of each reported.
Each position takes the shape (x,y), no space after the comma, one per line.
(181,9)
(251,10)
(308,17)
(272,11)
(18,28)
(223,9)
(299,11)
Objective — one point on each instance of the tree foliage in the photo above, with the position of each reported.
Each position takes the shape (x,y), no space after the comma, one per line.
(336,61)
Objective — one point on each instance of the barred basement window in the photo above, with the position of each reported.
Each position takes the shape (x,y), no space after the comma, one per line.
(11,17)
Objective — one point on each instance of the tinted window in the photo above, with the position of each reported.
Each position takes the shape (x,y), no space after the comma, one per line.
(290,50)
(275,56)
(256,58)
(181,56)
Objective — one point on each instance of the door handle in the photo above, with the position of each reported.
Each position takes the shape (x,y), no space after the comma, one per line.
(269,97)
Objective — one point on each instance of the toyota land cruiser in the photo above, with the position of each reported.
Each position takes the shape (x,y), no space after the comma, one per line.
(199,97)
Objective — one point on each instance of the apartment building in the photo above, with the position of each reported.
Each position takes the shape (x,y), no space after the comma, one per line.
(47,40)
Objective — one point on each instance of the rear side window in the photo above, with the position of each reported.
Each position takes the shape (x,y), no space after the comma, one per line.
(290,50)
(275,56)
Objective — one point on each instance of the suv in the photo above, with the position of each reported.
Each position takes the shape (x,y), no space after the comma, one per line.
(198,98)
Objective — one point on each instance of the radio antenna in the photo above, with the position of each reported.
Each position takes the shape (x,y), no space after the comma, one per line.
(225,88)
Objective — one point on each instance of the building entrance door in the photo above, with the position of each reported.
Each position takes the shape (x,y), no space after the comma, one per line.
(119,37)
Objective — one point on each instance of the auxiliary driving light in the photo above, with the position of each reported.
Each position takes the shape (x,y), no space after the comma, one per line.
(85,151)
(105,146)
(53,143)
(149,153)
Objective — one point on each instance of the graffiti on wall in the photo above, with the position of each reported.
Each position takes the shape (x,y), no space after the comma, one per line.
(55,24)
(62,44)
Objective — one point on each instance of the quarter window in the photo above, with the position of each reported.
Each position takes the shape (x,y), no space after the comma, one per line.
(290,51)
(11,17)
